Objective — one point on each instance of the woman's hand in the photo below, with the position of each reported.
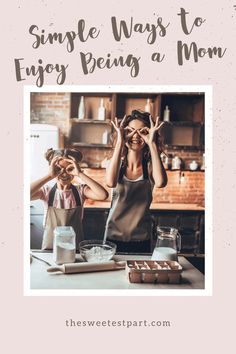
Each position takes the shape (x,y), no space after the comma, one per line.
(119,128)
(123,133)
(149,134)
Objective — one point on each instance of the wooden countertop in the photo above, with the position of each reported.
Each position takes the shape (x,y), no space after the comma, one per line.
(90,204)
(41,279)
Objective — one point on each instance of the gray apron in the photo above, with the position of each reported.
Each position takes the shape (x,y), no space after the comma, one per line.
(62,217)
(129,218)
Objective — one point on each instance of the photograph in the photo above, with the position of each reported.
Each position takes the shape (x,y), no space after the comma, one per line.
(117,188)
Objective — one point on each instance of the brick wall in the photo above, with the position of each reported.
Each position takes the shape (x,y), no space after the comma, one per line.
(189,189)
(51,108)
(186,189)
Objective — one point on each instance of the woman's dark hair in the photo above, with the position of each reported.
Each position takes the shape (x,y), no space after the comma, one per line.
(139,115)
(50,154)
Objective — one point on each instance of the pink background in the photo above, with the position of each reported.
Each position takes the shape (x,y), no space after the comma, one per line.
(36,324)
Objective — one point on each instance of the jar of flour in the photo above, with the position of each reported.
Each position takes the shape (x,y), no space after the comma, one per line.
(64,245)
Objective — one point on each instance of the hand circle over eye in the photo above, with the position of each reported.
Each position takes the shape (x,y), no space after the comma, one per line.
(58,169)
(73,168)
(129,129)
(144,130)
(70,169)
(54,167)
(129,132)
(149,133)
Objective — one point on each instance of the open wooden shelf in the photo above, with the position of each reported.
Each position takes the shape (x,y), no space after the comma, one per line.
(185,130)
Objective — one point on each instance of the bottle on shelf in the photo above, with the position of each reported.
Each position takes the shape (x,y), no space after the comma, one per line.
(166,117)
(148,106)
(105,137)
(101,111)
(81,109)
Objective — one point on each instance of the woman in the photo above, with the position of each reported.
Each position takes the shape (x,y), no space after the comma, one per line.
(64,201)
(135,168)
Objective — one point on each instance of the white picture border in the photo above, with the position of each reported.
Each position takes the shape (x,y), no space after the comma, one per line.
(207,90)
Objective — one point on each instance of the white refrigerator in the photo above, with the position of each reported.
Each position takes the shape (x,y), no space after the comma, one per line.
(42,137)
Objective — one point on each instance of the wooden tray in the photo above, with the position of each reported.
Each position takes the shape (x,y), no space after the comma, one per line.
(153,271)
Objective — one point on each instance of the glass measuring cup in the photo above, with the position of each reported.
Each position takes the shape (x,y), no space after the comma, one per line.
(168,244)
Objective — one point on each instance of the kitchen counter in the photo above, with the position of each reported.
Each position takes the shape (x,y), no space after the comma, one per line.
(41,279)
(90,204)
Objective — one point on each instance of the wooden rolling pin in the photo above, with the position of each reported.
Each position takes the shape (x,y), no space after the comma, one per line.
(69,268)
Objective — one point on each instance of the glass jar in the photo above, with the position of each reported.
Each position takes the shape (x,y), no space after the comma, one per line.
(64,248)
(168,244)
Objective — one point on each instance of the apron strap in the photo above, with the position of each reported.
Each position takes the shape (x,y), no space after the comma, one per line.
(52,195)
(145,169)
(74,191)
(122,172)
(76,195)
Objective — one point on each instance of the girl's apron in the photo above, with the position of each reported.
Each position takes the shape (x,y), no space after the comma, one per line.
(129,218)
(62,217)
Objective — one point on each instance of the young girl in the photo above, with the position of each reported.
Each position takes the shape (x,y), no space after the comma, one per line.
(135,168)
(64,201)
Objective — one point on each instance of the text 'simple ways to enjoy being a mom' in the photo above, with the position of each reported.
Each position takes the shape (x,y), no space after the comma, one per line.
(121,30)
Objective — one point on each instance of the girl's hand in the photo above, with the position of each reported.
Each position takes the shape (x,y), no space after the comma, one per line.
(54,168)
(149,134)
(73,169)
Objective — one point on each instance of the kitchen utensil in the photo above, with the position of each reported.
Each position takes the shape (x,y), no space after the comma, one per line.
(167,245)
(40,259)
(64,245)
(147,271)
(87,267)
(97,250)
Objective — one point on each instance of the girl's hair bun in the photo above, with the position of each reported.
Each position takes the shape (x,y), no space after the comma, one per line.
(49,154)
